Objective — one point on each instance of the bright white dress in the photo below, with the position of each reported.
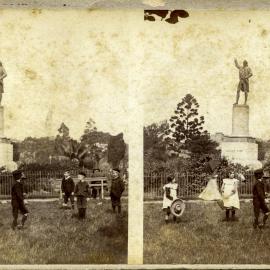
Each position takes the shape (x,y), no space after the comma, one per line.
(211,192)
(230,199)
(173,192)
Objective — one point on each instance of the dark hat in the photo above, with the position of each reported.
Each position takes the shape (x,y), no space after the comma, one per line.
(17,174)
(116,170)
(258,173)
(169,179)
(82,173)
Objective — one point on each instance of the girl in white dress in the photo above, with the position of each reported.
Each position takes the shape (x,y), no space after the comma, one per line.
(230,197)
(170,194)
(211,192)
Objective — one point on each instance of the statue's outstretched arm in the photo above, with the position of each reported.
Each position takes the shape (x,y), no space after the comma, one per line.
(4,74)
(236,63)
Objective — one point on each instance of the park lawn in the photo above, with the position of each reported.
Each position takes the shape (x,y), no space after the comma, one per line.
(202,238)
(53,236)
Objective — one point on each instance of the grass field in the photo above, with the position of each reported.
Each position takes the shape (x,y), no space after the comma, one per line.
(53,236)
(202,238)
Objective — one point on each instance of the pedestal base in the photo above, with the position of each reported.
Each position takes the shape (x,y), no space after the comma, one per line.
(240,120)
(6,155)
(242,152)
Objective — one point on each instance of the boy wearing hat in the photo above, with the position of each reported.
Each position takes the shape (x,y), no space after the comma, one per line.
(17,200)
(259,199)
(68,189)
(117,188)
(81,192)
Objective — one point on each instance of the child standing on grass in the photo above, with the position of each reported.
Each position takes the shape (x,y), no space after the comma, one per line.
(68,189)
(17,200)
(230,197)
(82,193)
(259,199)
(117,188)
(170,194)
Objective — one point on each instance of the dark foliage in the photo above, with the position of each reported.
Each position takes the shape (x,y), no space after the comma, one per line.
(116,150)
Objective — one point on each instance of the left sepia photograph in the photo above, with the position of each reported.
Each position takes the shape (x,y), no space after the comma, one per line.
(63,143)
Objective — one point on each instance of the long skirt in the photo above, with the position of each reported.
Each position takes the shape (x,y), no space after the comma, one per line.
(211,192)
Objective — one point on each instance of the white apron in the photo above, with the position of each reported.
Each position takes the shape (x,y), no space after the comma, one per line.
(173,192)
(211,192)
(229,198)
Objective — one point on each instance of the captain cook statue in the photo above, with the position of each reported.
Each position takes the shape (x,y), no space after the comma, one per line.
(244,74)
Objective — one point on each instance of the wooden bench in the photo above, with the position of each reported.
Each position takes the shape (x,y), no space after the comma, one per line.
(99,182)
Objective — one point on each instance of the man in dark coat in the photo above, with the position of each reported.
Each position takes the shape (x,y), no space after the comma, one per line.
(17,200)
(68,189)
(82,192)
(117,188)
(259,199)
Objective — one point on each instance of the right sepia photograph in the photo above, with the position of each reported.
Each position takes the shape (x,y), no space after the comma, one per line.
(206,137)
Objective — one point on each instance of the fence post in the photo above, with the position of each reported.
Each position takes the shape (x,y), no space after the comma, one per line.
(38,187)
(60,190)
(102,189)
(187,193)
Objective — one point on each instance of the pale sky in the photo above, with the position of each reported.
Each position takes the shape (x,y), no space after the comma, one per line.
(196,56)
(78,64)
(65,64)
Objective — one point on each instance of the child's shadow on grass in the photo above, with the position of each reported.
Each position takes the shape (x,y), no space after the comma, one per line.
(119,226)
(109,211)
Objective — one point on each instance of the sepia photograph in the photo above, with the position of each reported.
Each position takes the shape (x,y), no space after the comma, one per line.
(206,136)
(134,134)
(63,146)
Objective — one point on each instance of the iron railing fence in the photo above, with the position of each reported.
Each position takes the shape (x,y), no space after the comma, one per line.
(190,185)
(47,184)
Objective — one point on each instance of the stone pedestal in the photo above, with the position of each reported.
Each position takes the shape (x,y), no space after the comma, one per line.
(240,120)
(6,147)
(242,152)
(6,155)
(1,121)
(240,147)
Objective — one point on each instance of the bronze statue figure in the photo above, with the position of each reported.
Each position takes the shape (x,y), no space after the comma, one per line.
(244,74)
(3,75)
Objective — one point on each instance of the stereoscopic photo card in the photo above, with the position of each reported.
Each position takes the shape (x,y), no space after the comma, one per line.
(134,134)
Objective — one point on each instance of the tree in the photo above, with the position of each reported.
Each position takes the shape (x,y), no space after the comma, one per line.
(88,150)
(202,144)
(67,146)
(155,141)
(116,150)
(187,131)
(34,150)
(186,123)
(263,148)
(95,142)
(92,136)
(90,126)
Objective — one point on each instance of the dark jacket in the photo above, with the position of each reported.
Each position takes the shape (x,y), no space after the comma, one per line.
(67,185)
(17,194)
(259,192)
(117,187)
(82,189)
